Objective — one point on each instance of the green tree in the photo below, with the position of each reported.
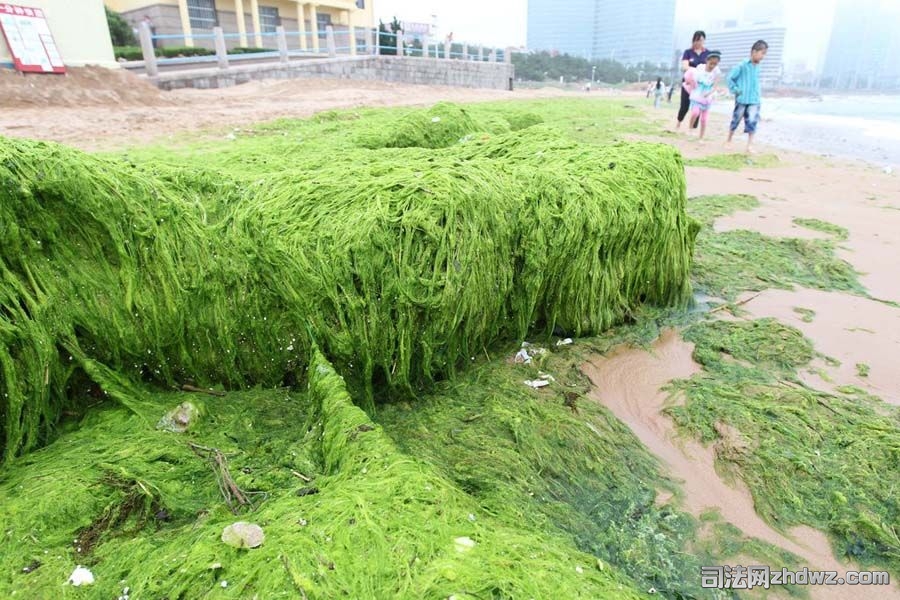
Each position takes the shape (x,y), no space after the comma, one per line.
(119,30)
(543,66)
(387,36)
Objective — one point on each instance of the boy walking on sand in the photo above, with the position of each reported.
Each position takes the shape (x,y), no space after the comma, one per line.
(743,82)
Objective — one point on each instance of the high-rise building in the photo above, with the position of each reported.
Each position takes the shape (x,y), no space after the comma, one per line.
(629,32)
(863,49)
(735,42)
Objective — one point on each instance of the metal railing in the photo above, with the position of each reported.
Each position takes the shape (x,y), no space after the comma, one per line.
(331,42)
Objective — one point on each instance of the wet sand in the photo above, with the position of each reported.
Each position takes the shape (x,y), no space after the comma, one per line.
(863,200)
(628,381)
(852,329)
(806,125)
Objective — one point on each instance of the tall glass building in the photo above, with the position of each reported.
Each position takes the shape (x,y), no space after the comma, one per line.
(735,43)
(629,32)
(864,47)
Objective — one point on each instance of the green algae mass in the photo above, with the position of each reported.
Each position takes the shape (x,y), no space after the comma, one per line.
(379,525)
(306,275)
(400,263)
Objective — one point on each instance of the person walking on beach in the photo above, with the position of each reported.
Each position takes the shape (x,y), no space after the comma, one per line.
(701,82)
(743,82)
(658,90)
(693,56)
(671,89)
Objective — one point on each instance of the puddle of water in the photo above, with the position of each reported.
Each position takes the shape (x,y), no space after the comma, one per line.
(628,380)
(703,302)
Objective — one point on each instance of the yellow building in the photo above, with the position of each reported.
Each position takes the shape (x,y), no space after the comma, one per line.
(304,22)
(79,30)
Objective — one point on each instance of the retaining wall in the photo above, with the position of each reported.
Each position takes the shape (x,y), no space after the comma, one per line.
(415,70)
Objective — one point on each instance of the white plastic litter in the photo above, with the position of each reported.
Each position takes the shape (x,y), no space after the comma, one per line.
(81,576)
(180,418)
(527,352)
(564,342)
(537,383)
(435,119)
(536,350)
(546,377)
(464,544)
(523,357)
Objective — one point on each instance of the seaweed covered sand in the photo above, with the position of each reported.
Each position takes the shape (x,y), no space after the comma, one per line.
(485,488)
(124,279)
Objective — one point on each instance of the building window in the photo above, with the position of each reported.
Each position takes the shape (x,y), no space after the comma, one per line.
(323,20)
(202,13)
(360,3)
(268,19)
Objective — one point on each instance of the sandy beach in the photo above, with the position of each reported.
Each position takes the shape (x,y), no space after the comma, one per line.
(853,194)
(840,177)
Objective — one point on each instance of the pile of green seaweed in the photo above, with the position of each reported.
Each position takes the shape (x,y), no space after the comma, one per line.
(343,511)
(401,264)
(303,279)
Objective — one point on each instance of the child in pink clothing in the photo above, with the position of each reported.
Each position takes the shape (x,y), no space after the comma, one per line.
(700,82)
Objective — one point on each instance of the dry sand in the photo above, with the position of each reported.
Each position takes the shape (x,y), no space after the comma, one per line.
(97,109)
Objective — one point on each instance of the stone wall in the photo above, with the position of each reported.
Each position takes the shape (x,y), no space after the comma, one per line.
(428,71)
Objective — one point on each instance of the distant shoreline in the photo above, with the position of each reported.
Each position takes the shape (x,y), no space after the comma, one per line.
(832,125)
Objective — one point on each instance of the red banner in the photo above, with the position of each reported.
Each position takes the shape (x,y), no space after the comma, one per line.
(29,39)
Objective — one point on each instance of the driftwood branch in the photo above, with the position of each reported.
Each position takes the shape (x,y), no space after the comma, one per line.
(300,475)
(730,306)
(192,388)
(234,496)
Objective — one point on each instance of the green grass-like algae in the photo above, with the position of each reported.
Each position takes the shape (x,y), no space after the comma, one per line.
(730,262)
(839,233)
(735,162)
(810,456)
(401,272)
(379,523)
(543,483)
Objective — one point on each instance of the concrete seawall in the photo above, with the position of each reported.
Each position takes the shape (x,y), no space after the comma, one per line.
(432,71)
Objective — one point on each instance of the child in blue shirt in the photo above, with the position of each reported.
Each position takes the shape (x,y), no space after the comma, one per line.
(743,82)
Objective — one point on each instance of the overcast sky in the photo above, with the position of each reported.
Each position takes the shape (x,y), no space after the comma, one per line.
(503,22)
